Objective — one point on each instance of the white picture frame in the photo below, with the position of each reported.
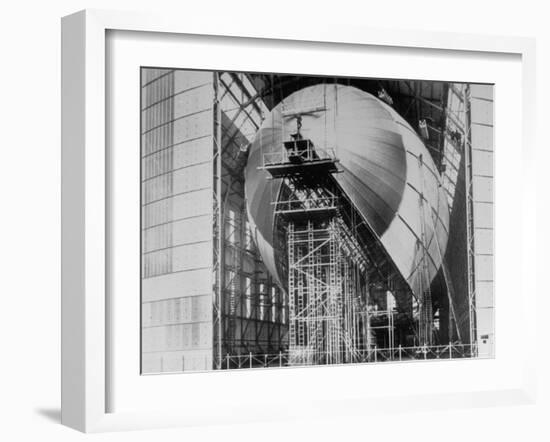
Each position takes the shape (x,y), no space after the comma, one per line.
(85,312)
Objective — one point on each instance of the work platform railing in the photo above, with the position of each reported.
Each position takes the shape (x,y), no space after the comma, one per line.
(294,206)
(396,354)
(296,152)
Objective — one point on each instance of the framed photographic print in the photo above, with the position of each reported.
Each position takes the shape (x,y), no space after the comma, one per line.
(292,220)
(241,215)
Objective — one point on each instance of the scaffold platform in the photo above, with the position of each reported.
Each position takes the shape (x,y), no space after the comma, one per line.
(307,209)
(299,157)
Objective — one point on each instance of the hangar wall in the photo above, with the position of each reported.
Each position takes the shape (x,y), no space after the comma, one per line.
(182,260)
(180,114)
(176,180)
(482,149)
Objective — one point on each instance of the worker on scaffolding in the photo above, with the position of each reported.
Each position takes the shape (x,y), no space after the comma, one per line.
(298,136)
(300,148)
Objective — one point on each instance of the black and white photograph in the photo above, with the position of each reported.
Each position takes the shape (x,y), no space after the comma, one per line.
(301,220)
(226,221)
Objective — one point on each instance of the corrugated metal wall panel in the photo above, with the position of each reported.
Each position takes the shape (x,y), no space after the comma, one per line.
(177,311)
(156,263)
(482,189)
(483,239)
(196,100)
(485,294)
(156,188)
(177,233)
(192,178)
(483,215)
(155,238)
(175,285)
(157,114)
(192,127)
(484,267)
(482,163)
(156,213)
(191,230)
(196,203)
(482,138)
(192,256)
(156,139)
(177,149)
(150,74)
(157,164)
(185,80)
(177,337)
(192,153)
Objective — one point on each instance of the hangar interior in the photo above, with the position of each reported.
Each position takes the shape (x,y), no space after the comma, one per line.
(269,238)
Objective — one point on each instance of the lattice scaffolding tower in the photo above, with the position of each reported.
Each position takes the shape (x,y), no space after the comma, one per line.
(327,271)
